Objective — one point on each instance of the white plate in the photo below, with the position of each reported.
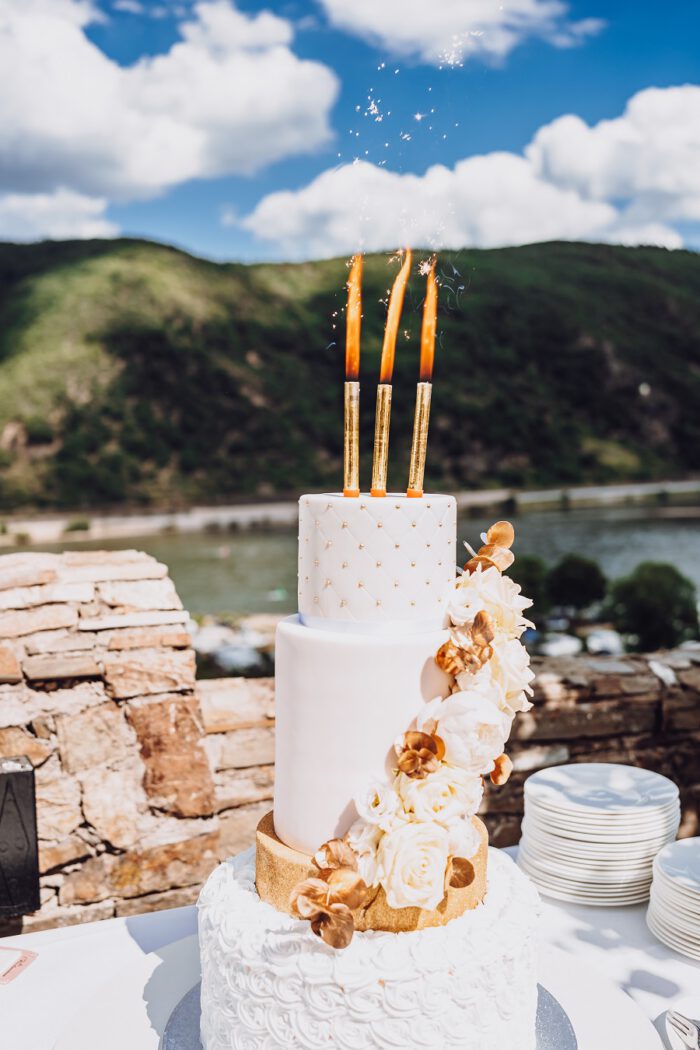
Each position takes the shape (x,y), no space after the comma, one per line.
(603,860)
(131,1011)
(601,787)
(675,902)
(670,939)
(605,820)
(629,827)
(572,874)
(680,863)
(632,833)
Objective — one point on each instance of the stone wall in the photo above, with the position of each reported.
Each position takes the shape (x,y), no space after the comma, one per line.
(146,778)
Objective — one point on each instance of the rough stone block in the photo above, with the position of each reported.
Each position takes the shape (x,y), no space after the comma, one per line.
(236,787)
(681,711)
(603,718)
(58,642)
(58,854)
(42,618)
(97,736)
(178,777)
(236,703)
(140,594)
(45,668)
(180,898)
(238,827)
(241,748)
(14,706)
(148,673)
(146,638)
(141,872)
(57,803)
(28,575)
(49,594)
(114,802)
(96,571)
(10,670)
(114,621)
(17,741)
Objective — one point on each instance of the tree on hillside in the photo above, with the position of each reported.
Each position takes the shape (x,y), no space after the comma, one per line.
(531,573)
(657,604)
(576,581)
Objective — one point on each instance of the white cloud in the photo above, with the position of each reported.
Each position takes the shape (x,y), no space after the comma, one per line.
(449,32)
(58,215)
(625,181)
(649,156)
(229,97)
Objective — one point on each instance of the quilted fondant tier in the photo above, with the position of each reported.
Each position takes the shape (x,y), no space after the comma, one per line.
(372,563)
(268,983)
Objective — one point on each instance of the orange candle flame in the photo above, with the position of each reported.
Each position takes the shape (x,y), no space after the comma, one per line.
(427,335)
(353,320)
(386,368)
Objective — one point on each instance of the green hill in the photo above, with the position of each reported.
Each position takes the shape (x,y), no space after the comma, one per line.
(134,373)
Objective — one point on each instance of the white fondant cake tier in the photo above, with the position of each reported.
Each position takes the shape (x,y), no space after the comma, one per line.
(370,563)
(341,701)
(268,982)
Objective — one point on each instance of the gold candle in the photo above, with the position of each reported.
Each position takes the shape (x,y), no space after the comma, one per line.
(419,445)
(380,457)
(351,431)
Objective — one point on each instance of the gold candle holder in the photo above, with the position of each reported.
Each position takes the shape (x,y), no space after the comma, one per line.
(419,444)
(351,440)
(380,457)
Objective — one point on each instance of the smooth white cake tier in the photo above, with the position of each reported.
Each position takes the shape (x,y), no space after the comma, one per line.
(268,982)
(371,563)
(341,700)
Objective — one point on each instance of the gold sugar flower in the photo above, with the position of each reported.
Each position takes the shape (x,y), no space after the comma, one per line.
(328,901)
(496,552)
(419,753)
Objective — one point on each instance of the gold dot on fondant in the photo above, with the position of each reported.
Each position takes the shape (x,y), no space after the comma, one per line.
(329,543)
(315,599)
(427,583)
(363,506)
(343,603)
(328,506)
(306,579)
(412,603)
(428,505)
(379,565)
(440,600)
(306,539)
(317,523)
(439,524)
(413,524)
(428,545)
(378,602)
(439,563)
(360,546)
(343,565)
(413,565)
(396,583)
(380,524)
(360,583)
(396,546)
(397,506)
(327,583)
(344,525)
(316,563)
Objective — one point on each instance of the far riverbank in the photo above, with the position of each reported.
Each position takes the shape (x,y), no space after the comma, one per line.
(51,529)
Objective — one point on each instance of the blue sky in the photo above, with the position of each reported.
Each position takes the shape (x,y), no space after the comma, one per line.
(314,127)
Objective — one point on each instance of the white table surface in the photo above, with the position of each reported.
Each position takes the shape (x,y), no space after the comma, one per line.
(72,963)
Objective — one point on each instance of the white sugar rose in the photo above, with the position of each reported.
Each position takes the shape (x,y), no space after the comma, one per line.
(488,590)
(445,796)
(510,671)
(412,864)
(464,839)
(363,839)
(380,805)
(472,727)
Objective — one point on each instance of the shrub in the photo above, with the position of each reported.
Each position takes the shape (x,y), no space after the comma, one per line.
(576,581)
(657,604)
(78,525)
(39,430)
(531,573)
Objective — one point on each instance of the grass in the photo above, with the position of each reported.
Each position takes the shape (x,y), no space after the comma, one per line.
(141,375)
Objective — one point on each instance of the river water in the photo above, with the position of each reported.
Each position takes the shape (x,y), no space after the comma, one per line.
(249,572)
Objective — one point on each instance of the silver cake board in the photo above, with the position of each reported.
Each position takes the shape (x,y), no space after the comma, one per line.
(554,1030)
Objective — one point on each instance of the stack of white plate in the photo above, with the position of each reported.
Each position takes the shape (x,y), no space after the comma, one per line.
(674,907)
(591,831)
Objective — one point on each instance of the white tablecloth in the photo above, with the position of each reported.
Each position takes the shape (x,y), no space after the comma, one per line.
(73,963)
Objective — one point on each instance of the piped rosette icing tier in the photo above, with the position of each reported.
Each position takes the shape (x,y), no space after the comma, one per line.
(268,983)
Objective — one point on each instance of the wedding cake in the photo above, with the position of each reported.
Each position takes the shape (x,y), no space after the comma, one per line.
(371,912)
